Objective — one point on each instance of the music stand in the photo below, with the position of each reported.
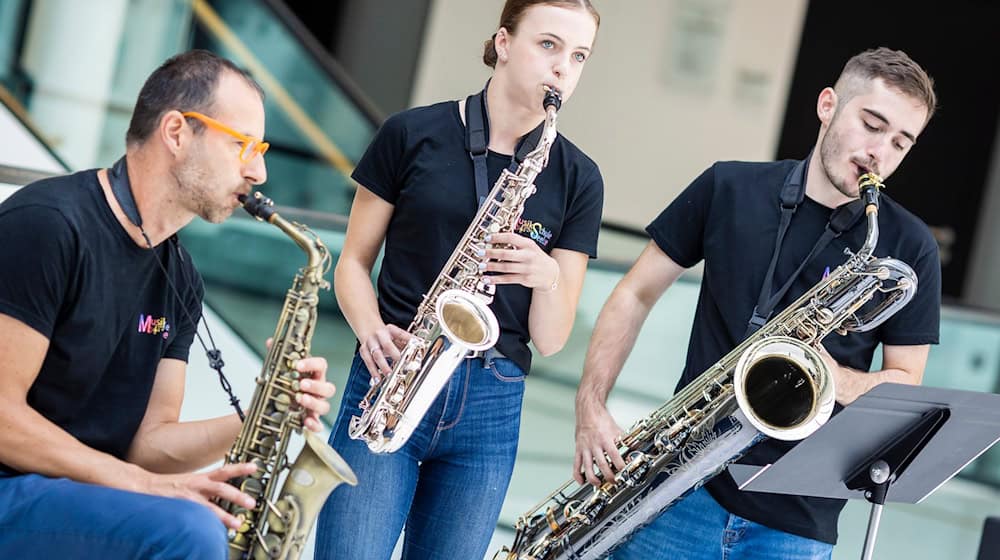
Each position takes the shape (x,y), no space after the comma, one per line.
(897,442)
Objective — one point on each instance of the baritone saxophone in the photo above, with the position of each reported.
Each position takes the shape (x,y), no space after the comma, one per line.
(773,384)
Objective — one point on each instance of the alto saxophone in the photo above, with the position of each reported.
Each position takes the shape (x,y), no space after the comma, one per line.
(278,526)
(454,318)
(774,384)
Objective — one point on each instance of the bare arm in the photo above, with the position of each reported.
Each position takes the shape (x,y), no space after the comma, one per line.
(552,312)
(163,444)
(900,364)
(614,335)
(352,281)
(29,442)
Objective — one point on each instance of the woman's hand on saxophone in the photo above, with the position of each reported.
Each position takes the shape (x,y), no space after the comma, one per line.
(525,263)
(597,436)
(380,349)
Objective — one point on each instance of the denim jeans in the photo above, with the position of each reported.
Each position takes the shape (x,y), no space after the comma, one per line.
(445,485)
(43,517)
(698,528)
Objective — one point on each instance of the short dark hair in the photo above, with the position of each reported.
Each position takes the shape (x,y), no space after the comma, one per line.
(893,67)
(185,82)
(513,11)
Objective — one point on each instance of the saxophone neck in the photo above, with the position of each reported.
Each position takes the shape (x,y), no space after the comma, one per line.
(262,208)
(869,188)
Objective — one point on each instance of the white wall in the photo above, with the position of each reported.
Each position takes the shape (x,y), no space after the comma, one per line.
(673,86)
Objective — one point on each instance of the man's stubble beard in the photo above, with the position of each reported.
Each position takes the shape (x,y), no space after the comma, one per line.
(194,190)
(829,151)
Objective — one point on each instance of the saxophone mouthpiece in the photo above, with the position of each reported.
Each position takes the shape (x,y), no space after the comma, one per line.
(869,186)
(258,206)
(552,98)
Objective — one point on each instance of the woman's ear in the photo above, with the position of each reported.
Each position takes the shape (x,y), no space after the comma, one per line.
(501,43)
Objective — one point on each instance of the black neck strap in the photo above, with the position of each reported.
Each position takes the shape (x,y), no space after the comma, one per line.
(121,188)
(477,140)
(793,192)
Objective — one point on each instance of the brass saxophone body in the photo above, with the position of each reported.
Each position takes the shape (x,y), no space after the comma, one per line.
(279,524)
(774,384)
(454,318)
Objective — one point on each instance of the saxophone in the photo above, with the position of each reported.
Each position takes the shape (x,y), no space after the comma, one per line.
(454,318)
(277,527)
(774,384)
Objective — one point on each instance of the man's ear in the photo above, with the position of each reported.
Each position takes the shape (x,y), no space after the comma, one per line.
(826,105)
(173,131)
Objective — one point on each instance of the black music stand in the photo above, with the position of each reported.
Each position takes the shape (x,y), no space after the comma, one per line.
(897,442)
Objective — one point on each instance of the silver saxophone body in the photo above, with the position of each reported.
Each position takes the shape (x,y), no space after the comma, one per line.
(774,384)
(453,319)
(277,527)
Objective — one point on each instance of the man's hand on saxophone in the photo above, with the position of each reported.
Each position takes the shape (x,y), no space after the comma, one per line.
(315,391)
(596,442)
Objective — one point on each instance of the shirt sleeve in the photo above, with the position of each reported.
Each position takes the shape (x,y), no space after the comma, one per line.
(180,346)
(39,250)
(680,229)
(379,169)
(583,218)
(919,321)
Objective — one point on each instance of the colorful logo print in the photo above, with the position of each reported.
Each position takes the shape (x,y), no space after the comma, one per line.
(536,231)
(154,326)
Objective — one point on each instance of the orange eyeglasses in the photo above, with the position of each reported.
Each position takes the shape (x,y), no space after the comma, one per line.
(252,147)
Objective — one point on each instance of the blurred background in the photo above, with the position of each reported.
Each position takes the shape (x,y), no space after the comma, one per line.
(673,86)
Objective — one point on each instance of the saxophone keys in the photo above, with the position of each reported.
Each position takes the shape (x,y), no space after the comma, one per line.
(282,402)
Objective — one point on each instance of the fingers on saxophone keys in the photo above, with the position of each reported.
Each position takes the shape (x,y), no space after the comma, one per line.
(601,459)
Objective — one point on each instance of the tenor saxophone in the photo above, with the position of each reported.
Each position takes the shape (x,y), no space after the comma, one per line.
(774,384)
(277,527)
(454,318)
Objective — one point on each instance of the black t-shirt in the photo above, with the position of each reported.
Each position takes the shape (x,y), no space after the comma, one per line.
(729,218)
(418,163)
(74,275)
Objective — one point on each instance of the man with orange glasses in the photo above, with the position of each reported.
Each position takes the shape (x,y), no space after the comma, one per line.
(94,462)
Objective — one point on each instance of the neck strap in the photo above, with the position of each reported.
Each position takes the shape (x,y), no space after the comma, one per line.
(477,139)
(793,192)
(122,189)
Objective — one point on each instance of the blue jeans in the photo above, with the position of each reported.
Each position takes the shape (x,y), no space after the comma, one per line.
(698,528)
(43,517)
(445,485)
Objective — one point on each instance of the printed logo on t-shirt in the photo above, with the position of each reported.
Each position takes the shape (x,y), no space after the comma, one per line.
(154,326)
(536,231)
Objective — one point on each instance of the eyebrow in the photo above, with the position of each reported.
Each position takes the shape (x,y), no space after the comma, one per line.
(912,138)
(560,39)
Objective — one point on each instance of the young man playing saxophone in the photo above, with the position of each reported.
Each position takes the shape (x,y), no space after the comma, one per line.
(729,217)
(94,462)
